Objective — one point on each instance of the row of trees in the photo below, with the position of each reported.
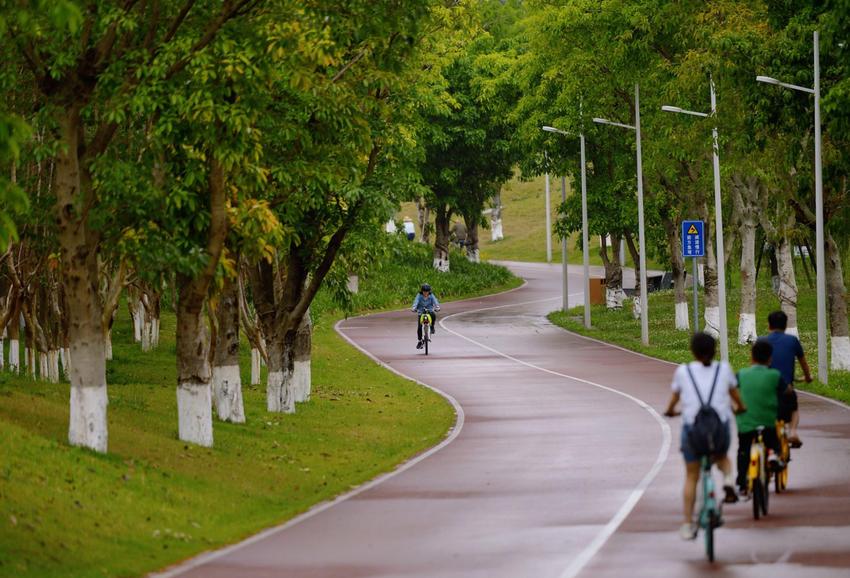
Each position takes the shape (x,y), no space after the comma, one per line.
(231,158)
(226,158)
(577,59)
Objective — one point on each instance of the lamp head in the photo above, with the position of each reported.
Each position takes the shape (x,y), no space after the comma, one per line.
(767,80)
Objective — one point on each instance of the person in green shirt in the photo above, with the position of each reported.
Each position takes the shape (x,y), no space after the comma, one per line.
(760,389)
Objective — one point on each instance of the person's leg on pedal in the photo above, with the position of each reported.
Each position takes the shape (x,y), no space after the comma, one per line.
(419,333)
(688,531)
(433,321)
(745,441)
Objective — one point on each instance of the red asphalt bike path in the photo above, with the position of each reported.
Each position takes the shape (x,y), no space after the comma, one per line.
(561,466)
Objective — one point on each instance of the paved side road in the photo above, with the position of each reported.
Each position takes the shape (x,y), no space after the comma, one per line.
(560,466)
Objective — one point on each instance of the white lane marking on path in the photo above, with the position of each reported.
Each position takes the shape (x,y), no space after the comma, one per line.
(840,404)
(319,508)
(586,555)
(207,557)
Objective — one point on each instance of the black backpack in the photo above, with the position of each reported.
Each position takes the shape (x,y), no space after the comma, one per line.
(707,435)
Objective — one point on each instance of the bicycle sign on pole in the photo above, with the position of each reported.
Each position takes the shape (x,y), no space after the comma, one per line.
(693,247)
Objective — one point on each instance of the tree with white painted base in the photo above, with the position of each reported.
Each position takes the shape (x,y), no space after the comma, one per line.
(227,381)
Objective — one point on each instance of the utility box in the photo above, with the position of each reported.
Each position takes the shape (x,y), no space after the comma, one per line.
(597,290)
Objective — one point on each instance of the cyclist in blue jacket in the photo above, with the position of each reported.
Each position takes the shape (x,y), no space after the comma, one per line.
(425,302)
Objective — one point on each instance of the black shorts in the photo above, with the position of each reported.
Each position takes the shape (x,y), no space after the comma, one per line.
(787,406)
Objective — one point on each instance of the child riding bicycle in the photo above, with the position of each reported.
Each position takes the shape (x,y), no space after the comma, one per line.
(707,389)
(425,302)
(761,387)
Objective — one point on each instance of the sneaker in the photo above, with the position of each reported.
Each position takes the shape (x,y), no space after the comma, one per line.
(419,344)
(774,464)
(688,531)
(795,442)
(743,494)
(731,495)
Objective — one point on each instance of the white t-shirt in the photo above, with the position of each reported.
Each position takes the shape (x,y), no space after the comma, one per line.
(704,376)
(409,227)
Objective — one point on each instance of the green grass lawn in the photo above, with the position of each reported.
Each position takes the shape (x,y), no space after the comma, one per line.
(621,328)
(154,500)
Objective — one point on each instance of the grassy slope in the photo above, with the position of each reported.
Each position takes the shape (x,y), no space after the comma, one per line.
(154,500)
(666,343)
(524,226)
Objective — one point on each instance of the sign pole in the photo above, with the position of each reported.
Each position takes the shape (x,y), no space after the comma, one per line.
(693,247)
(696,296)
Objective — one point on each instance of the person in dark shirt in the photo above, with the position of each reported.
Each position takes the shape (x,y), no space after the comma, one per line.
(787,349)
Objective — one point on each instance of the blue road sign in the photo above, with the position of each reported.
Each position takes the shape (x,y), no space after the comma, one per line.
(693,239)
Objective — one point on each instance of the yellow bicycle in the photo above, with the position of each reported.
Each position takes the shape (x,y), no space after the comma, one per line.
(758,476)
(781,477)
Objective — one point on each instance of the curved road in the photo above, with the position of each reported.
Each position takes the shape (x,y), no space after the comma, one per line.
(561,467)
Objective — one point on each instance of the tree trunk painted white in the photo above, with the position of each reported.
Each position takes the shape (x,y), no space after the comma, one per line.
(255,366)
(53,365)
(87,426)
(137,313)
(2,355)
(683,322)
(840,347)
(227,381)
(496,233)
(441,263)
(302,370)
(147,334)
(194,406)
(712,298)
(424,214)
(787,284)
(836,291)
(745,195)
(614,297)
(677,267)
(194,374)
(66,362)
(108,345)
(712,321)
(227,387)
(747,328)
(32,362)
(441,241)
(280,396)
(43,365)
(473,256)
(14,355)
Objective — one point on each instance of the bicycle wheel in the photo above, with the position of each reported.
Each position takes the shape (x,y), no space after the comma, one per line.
(426,338)
(765,495)
(782,479)
(757,492)
(709,535)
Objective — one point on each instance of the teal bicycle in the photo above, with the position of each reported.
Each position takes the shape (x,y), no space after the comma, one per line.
(710,510)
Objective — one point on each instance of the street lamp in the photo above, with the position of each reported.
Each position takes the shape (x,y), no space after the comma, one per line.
(548,214)
(644,302)
(823,374)
(718,223)
(584,233)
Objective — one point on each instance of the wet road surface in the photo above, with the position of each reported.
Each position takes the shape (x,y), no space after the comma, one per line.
(560,465)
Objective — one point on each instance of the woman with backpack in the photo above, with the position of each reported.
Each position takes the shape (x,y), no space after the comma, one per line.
(707,390)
